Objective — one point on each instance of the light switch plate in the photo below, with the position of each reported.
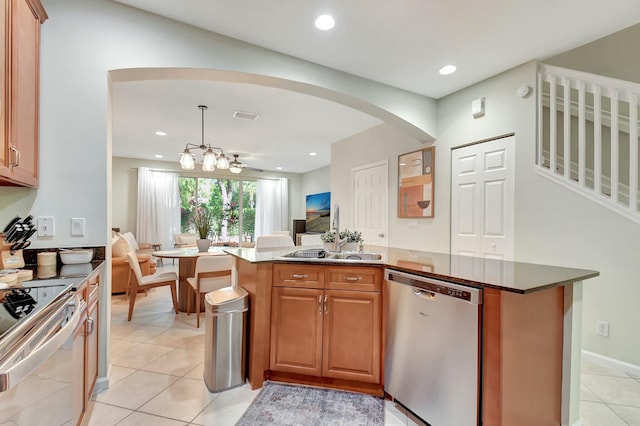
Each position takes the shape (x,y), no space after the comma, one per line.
(77,226)
(46,226)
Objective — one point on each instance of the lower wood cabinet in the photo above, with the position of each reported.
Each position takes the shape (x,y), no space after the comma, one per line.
(327,332)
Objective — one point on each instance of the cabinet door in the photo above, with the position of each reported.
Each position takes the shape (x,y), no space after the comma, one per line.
(352,335)
(92,350)
(296,330)
(4,98)
(78,403)
(25,63)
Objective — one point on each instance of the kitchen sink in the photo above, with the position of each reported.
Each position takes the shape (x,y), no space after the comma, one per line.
(355,255)
(312,254)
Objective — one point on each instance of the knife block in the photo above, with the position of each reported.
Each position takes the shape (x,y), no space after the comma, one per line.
(9,259)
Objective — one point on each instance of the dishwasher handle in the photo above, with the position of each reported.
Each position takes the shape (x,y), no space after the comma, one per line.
(435,286)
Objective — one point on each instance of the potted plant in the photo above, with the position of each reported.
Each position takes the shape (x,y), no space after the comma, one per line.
(350,239)
(203,221)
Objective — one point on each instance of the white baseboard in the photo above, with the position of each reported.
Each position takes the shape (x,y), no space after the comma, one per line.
(605,361)
(102,383)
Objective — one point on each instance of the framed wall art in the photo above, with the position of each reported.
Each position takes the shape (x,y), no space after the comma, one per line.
(415,183)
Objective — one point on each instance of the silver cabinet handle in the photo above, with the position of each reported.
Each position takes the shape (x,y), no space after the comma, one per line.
(320,304)
(298,276)
(16,156)
(350,278)
(325,304)
(91,325)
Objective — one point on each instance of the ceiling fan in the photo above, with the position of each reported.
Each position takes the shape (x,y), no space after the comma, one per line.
(236,166)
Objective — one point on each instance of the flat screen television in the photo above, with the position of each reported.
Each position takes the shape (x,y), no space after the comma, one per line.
(318,212)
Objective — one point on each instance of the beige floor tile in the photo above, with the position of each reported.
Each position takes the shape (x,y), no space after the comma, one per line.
(106,415)
(588,367)
(118,373)
(631,415)
(135,390)
(139,355)
(183,400)
(228,407)
(196,373)
(587,395)
(178,362)
(142,419)
(614,390)
(598,414)
(180,338)
(136,332)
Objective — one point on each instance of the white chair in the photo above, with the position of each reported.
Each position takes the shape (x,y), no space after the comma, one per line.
(264,242)
(310,240)
(139,282)
(212,273)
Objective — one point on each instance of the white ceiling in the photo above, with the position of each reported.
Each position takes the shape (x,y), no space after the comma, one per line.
(400,43)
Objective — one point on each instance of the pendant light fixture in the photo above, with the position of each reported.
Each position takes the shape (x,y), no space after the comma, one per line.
(210,159)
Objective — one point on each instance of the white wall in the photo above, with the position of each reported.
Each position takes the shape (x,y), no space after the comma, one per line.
(82,41)
(125,187)
(384,142)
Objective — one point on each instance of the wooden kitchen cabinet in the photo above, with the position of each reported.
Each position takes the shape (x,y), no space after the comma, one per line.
(19,97)
(91,351)
(326,322)
(296,330)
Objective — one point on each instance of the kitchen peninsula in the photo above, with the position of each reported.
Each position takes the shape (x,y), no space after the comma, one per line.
(528,330)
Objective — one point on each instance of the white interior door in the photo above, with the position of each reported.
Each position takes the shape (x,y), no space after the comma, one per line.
(370,185)
(482,199)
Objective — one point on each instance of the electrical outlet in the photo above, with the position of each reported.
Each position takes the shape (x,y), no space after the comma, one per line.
(602,328)
(46,226)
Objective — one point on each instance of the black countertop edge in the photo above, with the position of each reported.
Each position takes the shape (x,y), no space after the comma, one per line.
(481,285)
(502,275)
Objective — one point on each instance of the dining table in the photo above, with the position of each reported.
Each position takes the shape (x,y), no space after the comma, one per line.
(187,257)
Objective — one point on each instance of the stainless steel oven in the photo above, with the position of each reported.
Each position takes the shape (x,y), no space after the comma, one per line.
(38,355)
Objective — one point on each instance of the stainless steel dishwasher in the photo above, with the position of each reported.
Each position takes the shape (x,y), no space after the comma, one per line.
(432,348)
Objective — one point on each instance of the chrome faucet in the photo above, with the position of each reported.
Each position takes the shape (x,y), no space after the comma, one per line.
(335,228)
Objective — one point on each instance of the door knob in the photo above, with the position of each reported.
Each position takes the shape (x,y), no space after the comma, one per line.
(381,235)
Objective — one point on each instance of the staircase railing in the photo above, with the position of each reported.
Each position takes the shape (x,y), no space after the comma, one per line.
(588,136)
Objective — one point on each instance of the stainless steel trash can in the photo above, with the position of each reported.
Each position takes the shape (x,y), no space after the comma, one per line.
(224,350)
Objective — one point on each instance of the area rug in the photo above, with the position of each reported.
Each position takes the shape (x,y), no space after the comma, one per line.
(280,404)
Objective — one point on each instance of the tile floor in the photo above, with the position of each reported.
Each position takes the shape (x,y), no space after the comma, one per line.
(157,366)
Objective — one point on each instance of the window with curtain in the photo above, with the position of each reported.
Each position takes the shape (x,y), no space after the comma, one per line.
(157,213)
(232,203)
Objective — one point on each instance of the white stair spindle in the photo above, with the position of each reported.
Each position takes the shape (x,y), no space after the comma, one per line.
(566,83)
(552,124)
(582,152)
(633,153)
(615,149)
(597,140)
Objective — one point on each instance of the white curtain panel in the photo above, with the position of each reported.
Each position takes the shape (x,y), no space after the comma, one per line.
(158,216)
(272,206)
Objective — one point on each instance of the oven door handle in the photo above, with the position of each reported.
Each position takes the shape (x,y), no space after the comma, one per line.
(14,369)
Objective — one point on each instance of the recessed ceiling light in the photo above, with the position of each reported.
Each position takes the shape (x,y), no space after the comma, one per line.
(325,22)
(447,69)
(159,156)
(278,168)
(312,154)
(160,133)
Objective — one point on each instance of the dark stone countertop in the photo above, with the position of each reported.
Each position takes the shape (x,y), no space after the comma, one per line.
(517,277)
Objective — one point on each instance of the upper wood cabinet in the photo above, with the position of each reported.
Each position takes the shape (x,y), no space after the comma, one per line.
(20,22)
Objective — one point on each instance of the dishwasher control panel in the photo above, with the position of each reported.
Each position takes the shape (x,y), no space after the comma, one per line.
(472,295)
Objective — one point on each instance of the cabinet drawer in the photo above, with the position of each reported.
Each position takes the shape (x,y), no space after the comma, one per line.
(353,278)
(293,275)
